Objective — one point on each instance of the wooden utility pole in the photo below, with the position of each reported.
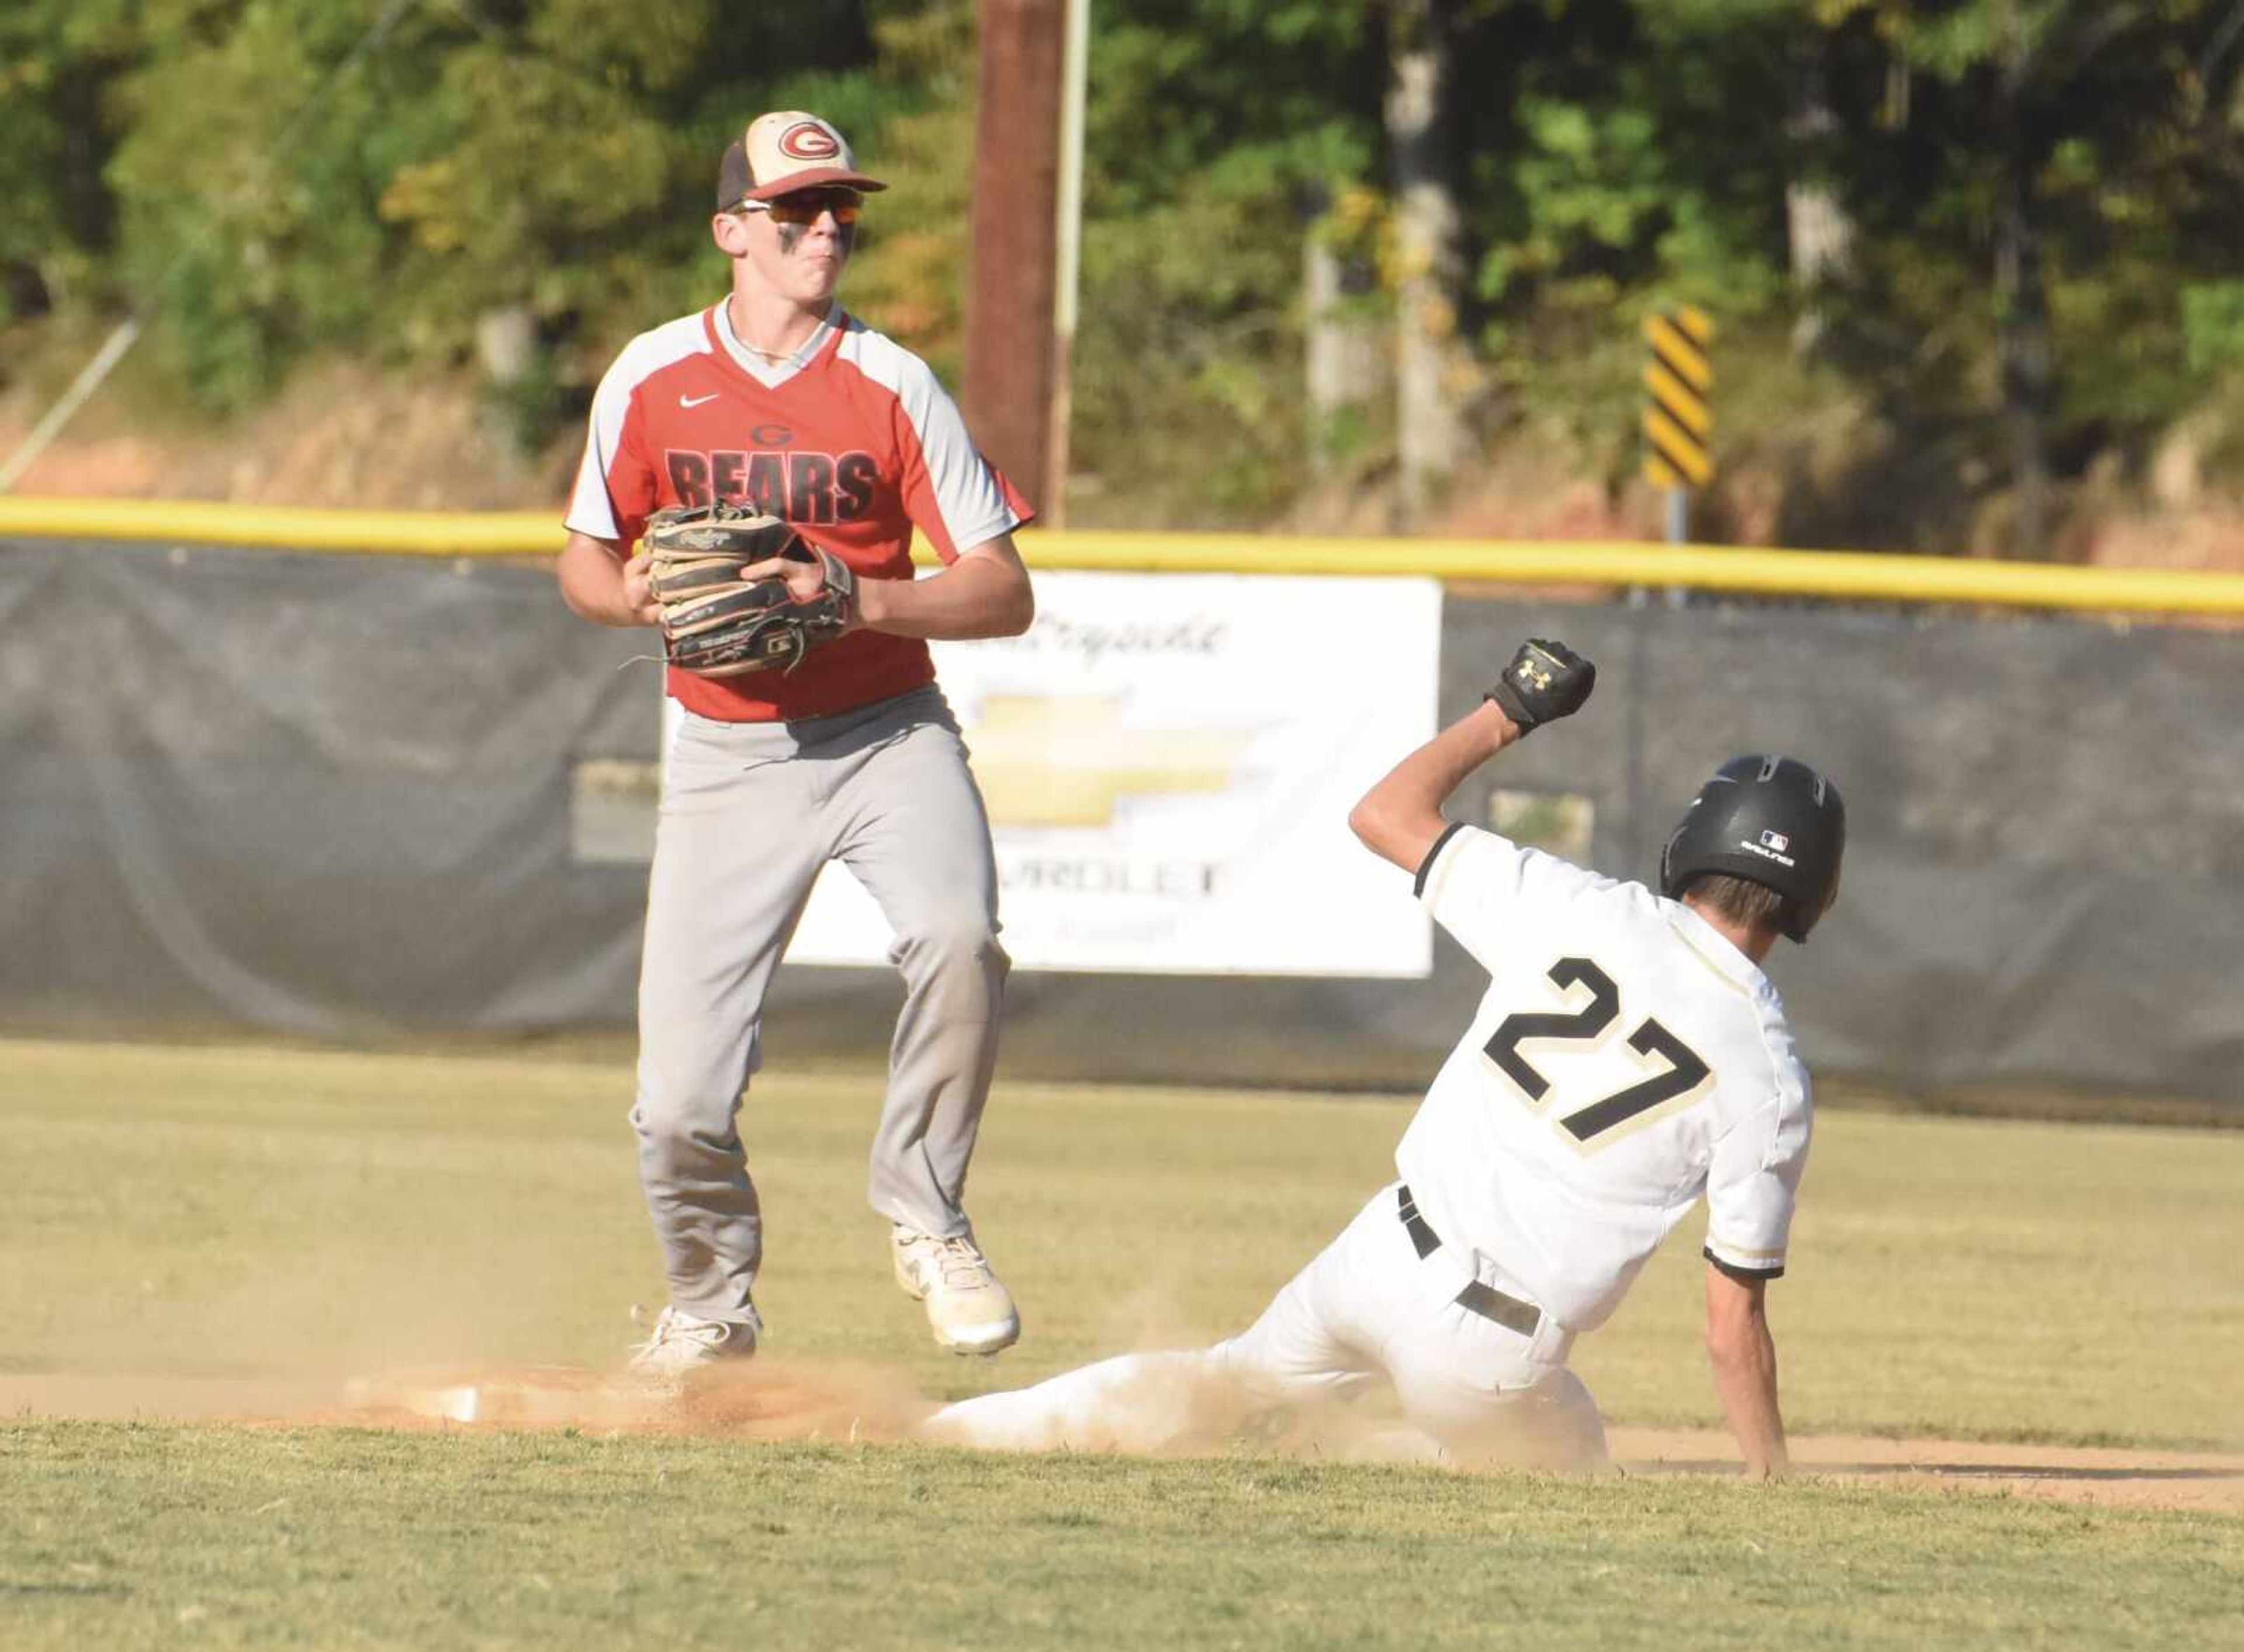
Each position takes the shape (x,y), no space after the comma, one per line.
(1011,291)
(1067,262)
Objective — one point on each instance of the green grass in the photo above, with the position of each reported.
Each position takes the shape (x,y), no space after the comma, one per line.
(124,1536)
(251,1210)
(254,1213)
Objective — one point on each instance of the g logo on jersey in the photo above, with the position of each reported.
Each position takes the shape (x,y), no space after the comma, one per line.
(795,486)
(808,141)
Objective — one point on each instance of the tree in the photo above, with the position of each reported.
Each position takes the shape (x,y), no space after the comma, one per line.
(57,59)
(1215,130)
(2060,180)
(1429,371)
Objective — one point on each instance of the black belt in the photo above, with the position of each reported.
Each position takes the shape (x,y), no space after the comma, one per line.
(1484,1300)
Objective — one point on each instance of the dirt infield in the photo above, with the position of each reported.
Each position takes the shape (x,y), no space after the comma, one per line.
(776,1400)
(2123,1477)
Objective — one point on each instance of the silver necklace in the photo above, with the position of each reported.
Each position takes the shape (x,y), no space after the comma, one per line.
(786,358)
(793,358)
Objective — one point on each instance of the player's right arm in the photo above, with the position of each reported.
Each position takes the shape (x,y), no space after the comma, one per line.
(1743,1354)
(600,583)
(617,486)
(1400,819)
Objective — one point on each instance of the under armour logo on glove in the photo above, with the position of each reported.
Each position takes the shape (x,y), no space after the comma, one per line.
(1545,680)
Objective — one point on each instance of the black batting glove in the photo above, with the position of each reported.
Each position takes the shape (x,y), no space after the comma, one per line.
(1545,679)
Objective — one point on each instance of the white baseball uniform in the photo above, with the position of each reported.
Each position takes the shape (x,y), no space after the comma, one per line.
(1626,1058)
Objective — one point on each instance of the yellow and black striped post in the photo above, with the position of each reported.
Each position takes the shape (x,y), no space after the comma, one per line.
(1678,421)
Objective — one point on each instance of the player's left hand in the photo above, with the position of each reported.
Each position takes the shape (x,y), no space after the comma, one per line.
(807,579)
(1545,680)
(741,590)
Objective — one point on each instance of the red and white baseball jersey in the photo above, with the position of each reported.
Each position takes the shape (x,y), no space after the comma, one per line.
(854,442)
(1626,1058)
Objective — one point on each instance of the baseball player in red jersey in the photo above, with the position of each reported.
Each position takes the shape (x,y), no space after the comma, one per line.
(1629,1056)
(778,399)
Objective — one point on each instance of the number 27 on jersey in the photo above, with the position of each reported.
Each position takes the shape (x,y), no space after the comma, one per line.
(1591,1124)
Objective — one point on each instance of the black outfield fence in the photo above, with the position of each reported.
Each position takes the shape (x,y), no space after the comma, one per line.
(372,796)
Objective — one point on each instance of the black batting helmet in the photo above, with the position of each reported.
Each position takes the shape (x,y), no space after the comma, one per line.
(1772,821)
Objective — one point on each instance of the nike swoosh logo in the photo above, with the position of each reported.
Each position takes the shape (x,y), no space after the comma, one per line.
(696,401)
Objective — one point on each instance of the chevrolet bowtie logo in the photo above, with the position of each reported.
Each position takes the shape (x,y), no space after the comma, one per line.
(1064,762)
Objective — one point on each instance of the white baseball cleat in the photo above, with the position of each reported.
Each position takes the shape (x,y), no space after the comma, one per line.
(968,1306)
(679,1342)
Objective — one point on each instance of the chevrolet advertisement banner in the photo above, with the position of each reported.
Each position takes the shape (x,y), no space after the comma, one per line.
(1169,761)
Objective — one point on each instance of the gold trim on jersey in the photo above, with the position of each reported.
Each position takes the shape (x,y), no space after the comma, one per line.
(1743,1255)
(1683,934)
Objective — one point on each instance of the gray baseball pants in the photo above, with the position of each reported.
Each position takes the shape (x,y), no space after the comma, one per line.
(750,813)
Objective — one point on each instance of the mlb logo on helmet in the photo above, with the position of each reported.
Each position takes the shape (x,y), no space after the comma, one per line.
(1770,846)
(1769,820)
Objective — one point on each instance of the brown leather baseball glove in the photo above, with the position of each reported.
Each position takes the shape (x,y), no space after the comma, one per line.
(719,625)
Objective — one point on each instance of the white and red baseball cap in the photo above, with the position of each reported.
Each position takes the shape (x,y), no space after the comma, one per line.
(783,152)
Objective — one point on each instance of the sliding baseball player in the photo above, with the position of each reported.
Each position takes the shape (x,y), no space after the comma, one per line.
(1628,1059)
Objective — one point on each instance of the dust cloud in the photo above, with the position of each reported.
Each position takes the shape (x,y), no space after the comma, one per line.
(429,1355)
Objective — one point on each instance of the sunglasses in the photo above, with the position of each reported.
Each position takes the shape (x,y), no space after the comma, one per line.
(805,206)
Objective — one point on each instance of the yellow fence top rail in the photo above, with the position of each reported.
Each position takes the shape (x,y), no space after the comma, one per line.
(1844,575)
(438,533)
